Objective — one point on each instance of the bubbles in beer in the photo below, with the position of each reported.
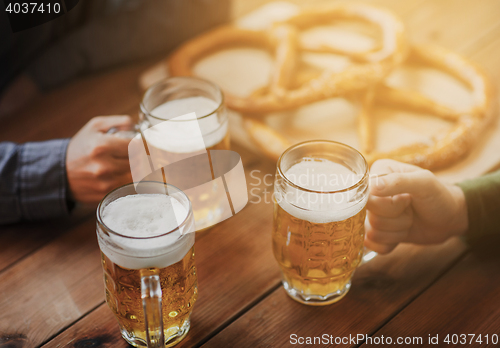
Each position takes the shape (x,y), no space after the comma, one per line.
(318,229)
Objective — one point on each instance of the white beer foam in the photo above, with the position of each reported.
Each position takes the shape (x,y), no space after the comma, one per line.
(177,135)
(323,176)
(143,216)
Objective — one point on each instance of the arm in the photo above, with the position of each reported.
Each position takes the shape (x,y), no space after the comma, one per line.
(483,206)
(33,180)
(39,180)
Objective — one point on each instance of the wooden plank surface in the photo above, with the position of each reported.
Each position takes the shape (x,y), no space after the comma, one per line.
(465,301)
(455,24)
(380,289)
(20,240)
(62,112)
(53,287)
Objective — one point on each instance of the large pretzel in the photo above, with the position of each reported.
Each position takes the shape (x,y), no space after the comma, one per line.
(282,41)
(290,88)
(446,148)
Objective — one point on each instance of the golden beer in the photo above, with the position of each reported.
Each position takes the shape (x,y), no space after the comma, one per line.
(223,144)
(179,292)
(146,236)
(180,144)
(317,258)
(320,194)
(208,204)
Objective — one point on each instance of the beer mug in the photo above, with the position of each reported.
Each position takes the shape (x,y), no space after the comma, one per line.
(147,252)
(177,96)
(171,139)
(320,194)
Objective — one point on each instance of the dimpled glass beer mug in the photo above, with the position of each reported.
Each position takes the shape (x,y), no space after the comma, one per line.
(178,141)
(147,250)
(320,194)
(177,96)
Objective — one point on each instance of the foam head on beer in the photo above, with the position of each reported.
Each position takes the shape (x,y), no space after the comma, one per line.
(143,223)
(200,105)
(186,132)
(330,200)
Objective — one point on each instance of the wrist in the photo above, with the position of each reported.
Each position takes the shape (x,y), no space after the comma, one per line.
(460,221)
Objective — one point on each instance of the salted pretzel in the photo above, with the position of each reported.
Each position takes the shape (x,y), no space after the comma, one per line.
(448,147)
(284,93)
(291,87)
(445,148)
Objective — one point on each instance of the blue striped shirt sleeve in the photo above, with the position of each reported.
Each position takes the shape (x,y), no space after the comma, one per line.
(33,183)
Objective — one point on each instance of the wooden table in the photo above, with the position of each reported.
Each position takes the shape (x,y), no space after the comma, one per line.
(51,288)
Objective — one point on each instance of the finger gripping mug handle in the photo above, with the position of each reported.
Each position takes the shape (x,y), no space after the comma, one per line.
(125,134)
(151,303)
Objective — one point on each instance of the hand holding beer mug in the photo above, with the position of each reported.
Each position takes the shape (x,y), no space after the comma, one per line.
(320,194)
(146,238)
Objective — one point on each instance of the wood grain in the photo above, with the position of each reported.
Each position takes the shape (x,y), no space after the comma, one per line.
(63,111)
(380,289)
(53,287)
(19,240)
(465,301)
(455,24)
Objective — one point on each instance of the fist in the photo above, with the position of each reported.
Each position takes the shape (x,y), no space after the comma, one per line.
(97,162)
(408,204)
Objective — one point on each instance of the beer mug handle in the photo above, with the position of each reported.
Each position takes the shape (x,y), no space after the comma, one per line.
(151,303)
(367,255)
(125,134)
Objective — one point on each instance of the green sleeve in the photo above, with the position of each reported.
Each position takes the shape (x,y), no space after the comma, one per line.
(483,206)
